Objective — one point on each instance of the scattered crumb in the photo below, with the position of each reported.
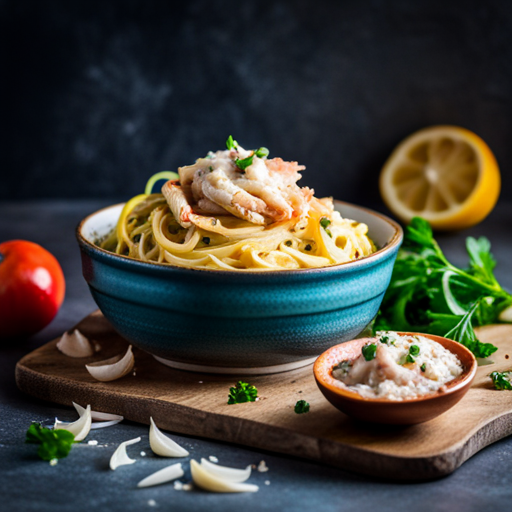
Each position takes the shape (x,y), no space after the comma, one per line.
(267,482)
(178,485)
(299,391)
(152,503)
(253,466)
(293,382)
(97,346)
(134,373)
(92,442)
(142,454)
(506,356)
(200,382)
(213,458)
(262,467)
(54,462)
(187,487)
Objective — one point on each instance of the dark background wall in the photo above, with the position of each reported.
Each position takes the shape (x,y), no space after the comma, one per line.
(98,95)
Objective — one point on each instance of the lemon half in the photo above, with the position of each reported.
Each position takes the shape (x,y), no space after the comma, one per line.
(445,174)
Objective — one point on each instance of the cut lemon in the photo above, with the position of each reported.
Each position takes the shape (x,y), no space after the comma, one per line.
(445,174)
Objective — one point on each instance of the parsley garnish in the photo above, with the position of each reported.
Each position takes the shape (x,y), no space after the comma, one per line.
(384,339)
(369,351)
(230,143)
(325,223)
(301,407)
(54,444)
(501,380)
(423,367)
(429,294)
(242,392)
(288,243)
(414,350)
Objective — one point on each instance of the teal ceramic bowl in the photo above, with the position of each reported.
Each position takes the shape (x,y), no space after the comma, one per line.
(238,322)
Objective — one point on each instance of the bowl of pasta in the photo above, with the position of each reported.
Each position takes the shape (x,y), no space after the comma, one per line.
(234,268)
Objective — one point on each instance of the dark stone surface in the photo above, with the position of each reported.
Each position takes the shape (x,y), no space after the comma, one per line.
(83,482)
(96,96)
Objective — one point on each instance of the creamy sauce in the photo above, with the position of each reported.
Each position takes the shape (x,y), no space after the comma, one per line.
(398,367)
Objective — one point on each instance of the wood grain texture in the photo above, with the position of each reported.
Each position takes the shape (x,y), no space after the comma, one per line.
(196,404)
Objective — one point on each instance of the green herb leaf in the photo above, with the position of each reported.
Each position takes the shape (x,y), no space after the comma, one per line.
(244,163)
(262,152)
(301,407)
(502,380)
(242,392)
(54,444)
(384,339)
(369,351)
(325,222)
(231,144)
(414,350)
(409,359)
(463,333)
(423,367)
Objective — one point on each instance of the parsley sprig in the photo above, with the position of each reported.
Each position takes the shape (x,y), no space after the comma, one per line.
(243,163)
(502,380)
(242,392)
(53,444)
(429,294)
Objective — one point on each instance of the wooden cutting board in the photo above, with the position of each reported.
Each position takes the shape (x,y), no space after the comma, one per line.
(196,404)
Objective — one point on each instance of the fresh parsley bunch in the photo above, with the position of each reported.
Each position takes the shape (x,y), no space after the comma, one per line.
(53,444)
(429,294)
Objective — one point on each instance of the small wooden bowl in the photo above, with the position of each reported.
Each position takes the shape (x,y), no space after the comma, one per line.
(382,410)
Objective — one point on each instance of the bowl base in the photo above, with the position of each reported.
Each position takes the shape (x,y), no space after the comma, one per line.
(258,370)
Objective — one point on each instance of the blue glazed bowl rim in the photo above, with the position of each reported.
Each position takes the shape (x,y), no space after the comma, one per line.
(127,262)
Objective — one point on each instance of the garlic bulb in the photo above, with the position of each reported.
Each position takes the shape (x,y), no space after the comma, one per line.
(120,457)
(112,368)
(163,445)
(75,345)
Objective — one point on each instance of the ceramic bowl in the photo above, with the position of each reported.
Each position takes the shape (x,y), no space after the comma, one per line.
(237,322)
(381,410)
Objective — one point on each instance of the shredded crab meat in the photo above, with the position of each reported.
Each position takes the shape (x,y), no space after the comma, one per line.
(263,193)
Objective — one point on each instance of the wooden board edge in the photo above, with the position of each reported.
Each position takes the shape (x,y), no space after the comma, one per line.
(189,421)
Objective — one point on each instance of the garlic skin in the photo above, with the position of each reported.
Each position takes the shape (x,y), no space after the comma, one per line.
(230,474)
(79,428)
(113,368)
(163,445)
(210,482)
(75,345)
(106,419)
(120,457)
(163,476)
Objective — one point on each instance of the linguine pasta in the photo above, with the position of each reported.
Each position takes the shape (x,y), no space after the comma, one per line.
(236,210)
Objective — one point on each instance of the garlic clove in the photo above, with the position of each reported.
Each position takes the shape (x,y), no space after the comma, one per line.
(79,428)
(164,475)
(112,368)
(75,345)
(163,445)
(120,457)
(103,417)
(210,482)
(229,474)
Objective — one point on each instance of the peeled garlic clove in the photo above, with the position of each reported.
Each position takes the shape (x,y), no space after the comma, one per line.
(75,345)
(79,428)
(101,417)
(120,457)
(164,475)
(229,474)
(210,482)
(112,368)
(506,315)
(163,445)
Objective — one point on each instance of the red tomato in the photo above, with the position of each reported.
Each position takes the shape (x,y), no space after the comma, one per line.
(31,288)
